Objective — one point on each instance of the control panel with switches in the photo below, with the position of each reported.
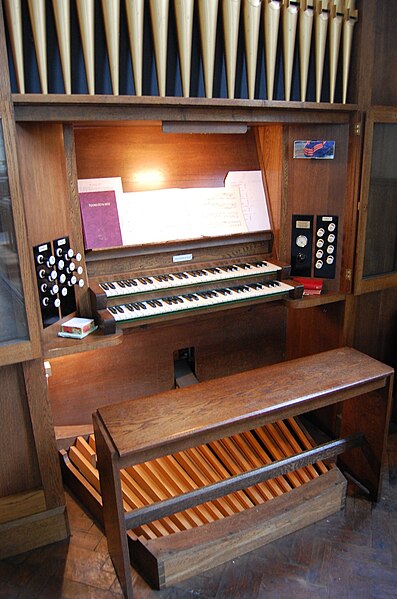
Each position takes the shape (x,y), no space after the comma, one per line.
(301,245)
(326,239)
(47,283)
(58,270)
(319,253)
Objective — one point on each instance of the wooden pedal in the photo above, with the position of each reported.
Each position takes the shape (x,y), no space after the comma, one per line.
(169,541)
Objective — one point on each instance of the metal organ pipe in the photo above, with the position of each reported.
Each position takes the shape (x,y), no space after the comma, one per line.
(229,29)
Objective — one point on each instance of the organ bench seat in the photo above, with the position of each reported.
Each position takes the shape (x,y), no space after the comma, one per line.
(140,431)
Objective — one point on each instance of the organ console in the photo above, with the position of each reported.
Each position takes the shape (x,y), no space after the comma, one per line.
(229,305)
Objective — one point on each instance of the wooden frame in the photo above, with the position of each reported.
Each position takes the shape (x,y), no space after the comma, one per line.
(21,350)
(32,504)
(363,284)
(69,109)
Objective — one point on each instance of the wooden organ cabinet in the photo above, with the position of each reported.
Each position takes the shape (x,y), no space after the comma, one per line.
(158,125)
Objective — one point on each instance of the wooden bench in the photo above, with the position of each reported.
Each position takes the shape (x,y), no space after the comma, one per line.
(140,430)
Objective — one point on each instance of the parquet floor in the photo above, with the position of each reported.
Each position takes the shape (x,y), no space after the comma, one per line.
(351,555)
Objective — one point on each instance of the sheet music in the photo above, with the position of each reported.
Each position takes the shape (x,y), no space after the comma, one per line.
(252,197)
(177,214)
(190,213)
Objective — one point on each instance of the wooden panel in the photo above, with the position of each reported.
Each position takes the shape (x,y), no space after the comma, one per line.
(32,349)
(33,531)
(362,60)
(375,325)
(369,217)
(174,160)
(19,471)
(312,330)
(46,190)
(83,107)
(17,352)
(180,557)
(144,363)
(43,174)
(381,228)
(370,414)
(13,507)
(103,265)
(76,229)
(384,83)
(43,432)
(315,187)
(269,141)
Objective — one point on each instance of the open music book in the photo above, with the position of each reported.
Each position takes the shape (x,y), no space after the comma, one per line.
(112,218)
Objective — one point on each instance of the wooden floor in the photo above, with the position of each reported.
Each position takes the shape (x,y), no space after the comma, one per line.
(352,554)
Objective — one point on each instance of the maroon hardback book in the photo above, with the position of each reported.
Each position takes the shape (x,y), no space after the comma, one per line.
(101,226)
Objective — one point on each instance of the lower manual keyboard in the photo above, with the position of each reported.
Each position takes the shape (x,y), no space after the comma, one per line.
(144,309)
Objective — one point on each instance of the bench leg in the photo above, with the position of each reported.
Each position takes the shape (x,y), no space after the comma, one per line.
(112,506)
(369,414)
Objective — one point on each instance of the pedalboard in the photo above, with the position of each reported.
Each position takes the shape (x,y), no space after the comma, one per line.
(314,246)
(58,269)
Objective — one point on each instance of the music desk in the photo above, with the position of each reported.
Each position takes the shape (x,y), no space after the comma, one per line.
(136,431)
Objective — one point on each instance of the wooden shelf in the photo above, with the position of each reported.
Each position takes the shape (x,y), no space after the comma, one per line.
(310,301)
(66,435)
(81,107)
(56,347)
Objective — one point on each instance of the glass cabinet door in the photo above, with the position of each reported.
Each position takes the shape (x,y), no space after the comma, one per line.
(376,265)
(12,305)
